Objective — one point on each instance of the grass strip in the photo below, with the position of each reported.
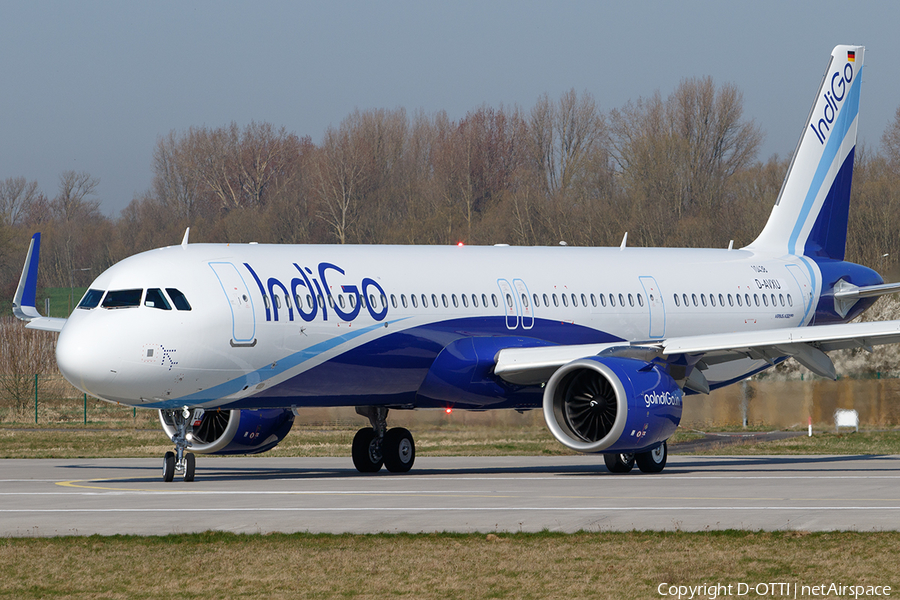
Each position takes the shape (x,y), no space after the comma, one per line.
(430,441)
(521,566)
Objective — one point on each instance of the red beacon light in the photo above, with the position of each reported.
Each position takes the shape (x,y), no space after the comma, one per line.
(448,410)
(459,244)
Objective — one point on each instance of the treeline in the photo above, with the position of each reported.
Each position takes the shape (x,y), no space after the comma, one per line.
(680,170)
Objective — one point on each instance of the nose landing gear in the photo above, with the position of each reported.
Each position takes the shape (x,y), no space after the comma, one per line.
(180,461)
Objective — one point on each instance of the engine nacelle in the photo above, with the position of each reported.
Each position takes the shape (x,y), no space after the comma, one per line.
(610,404)
(234,431)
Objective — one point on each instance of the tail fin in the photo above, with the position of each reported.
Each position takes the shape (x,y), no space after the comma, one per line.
(810,215)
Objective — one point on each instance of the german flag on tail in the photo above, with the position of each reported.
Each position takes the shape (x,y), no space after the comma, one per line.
(851,56)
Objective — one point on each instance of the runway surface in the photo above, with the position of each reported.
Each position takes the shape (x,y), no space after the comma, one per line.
(570,493)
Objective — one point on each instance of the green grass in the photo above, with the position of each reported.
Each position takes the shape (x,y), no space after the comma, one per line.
(60,304)
(144,439)
(424,566)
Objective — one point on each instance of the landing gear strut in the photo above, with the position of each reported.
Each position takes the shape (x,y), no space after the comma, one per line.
(377,445)
(180,461)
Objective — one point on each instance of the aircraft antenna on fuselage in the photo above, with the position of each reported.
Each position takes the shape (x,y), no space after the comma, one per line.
(184,240)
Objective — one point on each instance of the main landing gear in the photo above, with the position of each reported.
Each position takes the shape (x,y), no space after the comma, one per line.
(653,461)
(182,462)
(377,445)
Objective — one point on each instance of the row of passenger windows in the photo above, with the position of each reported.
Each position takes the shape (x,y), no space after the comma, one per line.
(155,298)
(556,300)
(463,300)
(745,300)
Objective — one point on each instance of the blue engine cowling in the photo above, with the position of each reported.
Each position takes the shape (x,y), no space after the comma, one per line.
(234,431)
(609,404)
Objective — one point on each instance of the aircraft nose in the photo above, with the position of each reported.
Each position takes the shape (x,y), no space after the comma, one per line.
(82,360)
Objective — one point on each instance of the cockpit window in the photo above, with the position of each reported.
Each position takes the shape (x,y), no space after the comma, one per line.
(91,299)
(122,299)
(155,299)
(178,299)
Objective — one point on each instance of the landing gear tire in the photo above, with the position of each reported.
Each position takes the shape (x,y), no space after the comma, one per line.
(367,451)
(399,450)
(190,466)
(169,467)
(653,461)
(619,463)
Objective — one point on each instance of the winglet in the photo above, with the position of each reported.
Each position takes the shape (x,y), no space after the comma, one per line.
(26,294)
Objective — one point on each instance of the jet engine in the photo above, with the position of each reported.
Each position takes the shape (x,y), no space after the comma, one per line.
(233,431)
(611,404)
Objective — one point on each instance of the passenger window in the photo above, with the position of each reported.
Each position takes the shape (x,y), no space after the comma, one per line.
(330,300)
(494,300)
(721,300)
(612,300)
(739,299)
(91,299)
(413,298)
(340,300)
(536,301)
(394,300)
(123,299)
(765,300)
(444,298)
(287,301)
(403,300)
(630,300)
(685,298)
(594,300)
(434,301)
(524,300)
(703,299)
(583,300)
(712,299)
(747,300)
(484,300)
(565,300)
(756,299)
(781,299)
(730,300)
(641,300)
(155,299)
(694,298)
(677,303)
(266,302)
(465,300)
(455,301)
(475,300)
(790,300)
(425,300)
(546,303)
(278,301)
(373,301)
(574,300)
(555,301)
(773,300)
(351,299)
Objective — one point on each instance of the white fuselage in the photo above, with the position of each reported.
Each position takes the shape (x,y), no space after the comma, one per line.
(244,343)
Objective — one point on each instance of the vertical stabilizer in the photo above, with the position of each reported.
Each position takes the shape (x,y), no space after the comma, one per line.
(810,215)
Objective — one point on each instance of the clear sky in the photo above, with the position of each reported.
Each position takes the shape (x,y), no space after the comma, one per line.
(91,85)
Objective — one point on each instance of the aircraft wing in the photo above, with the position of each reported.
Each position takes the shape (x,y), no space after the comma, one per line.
(24,300)
(528,366)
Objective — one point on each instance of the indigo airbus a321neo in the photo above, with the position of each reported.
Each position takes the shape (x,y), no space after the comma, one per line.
(228,341)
